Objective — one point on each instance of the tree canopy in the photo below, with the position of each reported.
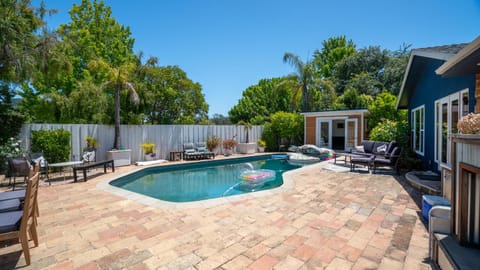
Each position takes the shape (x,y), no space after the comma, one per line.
(68,72)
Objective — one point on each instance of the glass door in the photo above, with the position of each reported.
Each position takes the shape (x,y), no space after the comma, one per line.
(351,134)
(324,133)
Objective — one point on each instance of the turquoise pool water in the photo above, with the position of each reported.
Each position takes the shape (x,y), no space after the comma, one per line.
(189,182)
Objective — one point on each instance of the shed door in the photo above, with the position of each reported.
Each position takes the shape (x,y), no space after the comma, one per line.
(351,134)
(324,133)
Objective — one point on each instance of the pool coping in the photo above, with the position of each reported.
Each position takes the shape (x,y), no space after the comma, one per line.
(288,184)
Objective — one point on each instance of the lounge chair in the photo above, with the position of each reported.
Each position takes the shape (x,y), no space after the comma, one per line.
(189,152)
(390,160)
(199,152)
(20,224)
(201,147)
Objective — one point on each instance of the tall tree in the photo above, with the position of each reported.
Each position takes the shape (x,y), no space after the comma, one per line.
(170,97)
(118,78)
(93,34)
(18,24)
(370,60)
(304,75)
(333,50)
(261,100)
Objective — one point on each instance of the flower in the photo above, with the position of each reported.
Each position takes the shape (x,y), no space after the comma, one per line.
(153,155)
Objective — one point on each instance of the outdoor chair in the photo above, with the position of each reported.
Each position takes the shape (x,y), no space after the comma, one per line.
(201,148)
(20,224)
(388,161)
(189,152)
(18,167)
(38,159)
(361,159)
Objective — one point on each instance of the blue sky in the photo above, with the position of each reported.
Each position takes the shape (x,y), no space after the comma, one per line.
(229,45)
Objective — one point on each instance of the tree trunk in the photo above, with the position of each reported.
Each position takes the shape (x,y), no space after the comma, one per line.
(304,98)
(116,143)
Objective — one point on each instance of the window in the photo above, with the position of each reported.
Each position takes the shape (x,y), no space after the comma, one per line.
(418,129)
(448,111)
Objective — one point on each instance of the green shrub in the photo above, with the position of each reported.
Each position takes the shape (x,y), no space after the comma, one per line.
(55,144)
(283,128)
(389,130)
(12,148)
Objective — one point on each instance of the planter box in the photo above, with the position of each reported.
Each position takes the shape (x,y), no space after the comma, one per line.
(246,148)
(121,157)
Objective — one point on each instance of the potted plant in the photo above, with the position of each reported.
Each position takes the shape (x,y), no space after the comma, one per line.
(149,150)
(261,145)
(228,146)
(246,147)
(213,142)
(92,144)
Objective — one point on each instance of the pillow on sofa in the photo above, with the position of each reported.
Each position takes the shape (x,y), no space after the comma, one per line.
(382,149)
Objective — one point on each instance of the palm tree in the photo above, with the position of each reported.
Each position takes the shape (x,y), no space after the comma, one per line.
(118,79)
(304,75)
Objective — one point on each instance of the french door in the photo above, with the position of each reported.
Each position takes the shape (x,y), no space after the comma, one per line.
(351,134)
(448,111)
(324,133)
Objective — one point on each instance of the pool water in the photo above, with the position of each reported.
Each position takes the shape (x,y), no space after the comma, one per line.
(206,180)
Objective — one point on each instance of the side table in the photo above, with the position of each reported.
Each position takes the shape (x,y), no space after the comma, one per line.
(176,155)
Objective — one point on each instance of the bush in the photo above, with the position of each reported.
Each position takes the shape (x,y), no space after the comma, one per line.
(284,128)
(55,144)
(389,130)
(12,148)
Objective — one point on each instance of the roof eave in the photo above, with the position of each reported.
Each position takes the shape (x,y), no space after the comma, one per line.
(461,55)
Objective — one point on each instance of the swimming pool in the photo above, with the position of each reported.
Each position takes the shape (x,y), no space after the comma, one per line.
(188,182)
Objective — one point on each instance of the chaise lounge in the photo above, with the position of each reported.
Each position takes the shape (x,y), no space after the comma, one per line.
(190,152)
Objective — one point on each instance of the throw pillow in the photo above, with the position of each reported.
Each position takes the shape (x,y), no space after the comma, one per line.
(381,149)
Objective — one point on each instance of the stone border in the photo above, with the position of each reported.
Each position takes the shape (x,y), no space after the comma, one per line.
(422,185)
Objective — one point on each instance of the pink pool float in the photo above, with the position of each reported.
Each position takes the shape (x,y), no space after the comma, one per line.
(256,178)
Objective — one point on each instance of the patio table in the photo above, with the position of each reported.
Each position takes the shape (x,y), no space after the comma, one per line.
(62,166)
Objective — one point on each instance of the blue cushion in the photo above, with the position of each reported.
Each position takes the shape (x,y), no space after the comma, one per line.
(10,205)
(189,151)
(202,149)
(16,194)
(10,221)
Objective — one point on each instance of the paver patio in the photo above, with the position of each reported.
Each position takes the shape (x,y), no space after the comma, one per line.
(327,221)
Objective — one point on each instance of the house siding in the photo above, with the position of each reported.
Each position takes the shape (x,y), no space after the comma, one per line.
(310,130)
(431,87)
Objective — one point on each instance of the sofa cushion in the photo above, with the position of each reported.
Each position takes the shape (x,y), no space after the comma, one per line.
(10,221)
(368,146)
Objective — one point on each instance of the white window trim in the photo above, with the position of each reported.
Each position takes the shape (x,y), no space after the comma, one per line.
(448,99)
(414,127)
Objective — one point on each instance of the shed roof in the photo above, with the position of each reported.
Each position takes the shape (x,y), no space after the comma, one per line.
(416,63)
(332,113)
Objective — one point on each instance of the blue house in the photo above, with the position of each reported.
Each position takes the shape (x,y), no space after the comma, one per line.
(438,89)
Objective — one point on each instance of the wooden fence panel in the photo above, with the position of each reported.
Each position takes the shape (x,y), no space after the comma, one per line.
(167,138)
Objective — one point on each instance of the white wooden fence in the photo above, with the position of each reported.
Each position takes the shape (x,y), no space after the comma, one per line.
(167,138)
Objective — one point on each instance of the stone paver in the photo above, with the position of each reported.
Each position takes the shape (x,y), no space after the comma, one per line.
(327,220)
